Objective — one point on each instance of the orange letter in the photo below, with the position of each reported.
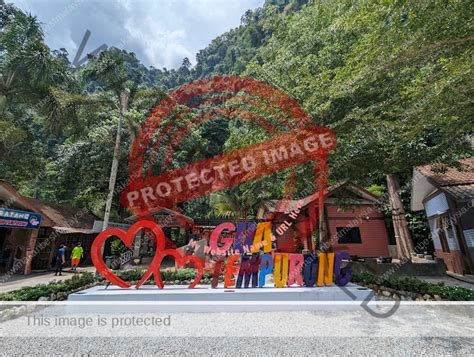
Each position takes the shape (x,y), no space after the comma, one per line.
(230,270)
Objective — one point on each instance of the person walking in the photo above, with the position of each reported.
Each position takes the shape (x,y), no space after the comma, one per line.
(76,256)
(60,259)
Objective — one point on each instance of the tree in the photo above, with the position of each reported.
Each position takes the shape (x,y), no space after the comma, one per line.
(390,77)
(38,96)
(235,202)
(110,72)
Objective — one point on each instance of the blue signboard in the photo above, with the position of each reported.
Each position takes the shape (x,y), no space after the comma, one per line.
(10,218)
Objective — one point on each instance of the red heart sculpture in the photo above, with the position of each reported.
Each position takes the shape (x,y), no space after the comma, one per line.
(127,239)
(180,261)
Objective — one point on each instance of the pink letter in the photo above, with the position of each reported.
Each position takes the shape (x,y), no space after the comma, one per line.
(215,237)
(296,263)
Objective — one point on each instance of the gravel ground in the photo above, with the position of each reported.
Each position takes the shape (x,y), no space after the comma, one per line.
(412,330)
(225,346)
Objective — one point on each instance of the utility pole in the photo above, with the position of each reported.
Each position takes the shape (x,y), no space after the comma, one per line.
(124,98)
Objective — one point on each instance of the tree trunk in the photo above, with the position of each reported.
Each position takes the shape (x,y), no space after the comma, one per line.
(124,97)
(405,247)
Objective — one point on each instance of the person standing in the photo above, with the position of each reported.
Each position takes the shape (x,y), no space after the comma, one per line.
(76,255)
(60,259)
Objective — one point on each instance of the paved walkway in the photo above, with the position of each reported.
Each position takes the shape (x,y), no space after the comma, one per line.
(20,281)
(467,278)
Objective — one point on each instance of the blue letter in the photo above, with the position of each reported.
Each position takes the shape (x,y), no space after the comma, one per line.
(310,270)
(266,267)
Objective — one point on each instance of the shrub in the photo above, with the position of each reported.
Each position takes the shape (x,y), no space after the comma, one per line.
(417,286)
(167,275)
(33,293)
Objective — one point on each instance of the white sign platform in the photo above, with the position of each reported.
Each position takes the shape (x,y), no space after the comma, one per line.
(178,298)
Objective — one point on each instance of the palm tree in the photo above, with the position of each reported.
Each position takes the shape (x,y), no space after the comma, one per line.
(234,202)
(34,79)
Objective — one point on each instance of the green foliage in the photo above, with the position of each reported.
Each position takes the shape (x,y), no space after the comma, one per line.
(179,238)
(376,190)
(230,52)
(416,286)
(78,281)
(167,275)
(33,293)
(117,247)
(392,78)
(182,275)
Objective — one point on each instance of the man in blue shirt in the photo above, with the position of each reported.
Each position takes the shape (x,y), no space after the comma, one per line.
(60,259)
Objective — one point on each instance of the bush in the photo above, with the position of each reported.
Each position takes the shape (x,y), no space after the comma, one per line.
(167,275)
(417,286)
(33,293)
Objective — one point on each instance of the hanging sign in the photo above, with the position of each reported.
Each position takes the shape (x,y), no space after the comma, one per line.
(10,218)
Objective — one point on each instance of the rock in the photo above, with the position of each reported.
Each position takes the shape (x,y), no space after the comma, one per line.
(386,293)
(437,298)
(419,299)
(396,297)
(52,297)
(7,315)
(426,297)
(20,310)
(43,298)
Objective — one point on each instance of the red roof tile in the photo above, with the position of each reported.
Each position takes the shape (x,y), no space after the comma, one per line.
(459,182)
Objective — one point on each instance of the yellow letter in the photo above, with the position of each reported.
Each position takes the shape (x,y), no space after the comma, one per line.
(262,233)
(325,268)
(280,272)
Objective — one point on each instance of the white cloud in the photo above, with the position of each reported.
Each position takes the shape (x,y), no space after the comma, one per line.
(160,32)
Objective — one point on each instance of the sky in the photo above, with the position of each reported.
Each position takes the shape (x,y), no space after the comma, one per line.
(160,32)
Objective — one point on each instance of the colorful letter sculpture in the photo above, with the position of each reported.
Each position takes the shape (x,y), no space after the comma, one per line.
(250,259)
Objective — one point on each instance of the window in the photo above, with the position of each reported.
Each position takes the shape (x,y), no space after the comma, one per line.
(348,235)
